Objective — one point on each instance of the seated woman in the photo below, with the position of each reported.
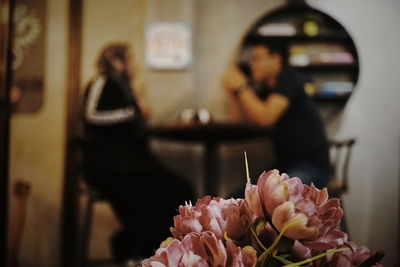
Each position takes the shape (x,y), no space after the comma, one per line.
(118,163)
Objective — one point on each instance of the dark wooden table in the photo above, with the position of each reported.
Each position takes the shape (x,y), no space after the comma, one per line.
(210,135)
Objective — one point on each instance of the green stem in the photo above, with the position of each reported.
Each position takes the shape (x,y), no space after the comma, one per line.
(315,257)
(283,260)
(247,167)
(226,236)
(272,247)
(261,260)
(257,239)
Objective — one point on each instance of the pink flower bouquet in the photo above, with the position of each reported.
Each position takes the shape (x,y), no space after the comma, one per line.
(281,222)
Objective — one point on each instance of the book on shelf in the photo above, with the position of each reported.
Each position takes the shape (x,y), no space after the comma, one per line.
(277,29)
(336,88)
(336,58)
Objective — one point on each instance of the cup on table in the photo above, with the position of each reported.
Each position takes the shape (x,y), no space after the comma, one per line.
(190,115)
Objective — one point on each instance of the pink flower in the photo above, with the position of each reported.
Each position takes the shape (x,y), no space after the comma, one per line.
(333,239)
(287,200)
(307,249)
(253,200)
(240,257)
(354,256)
(299,251)
(217,215)
(286,214)
(202,250)
(273,190)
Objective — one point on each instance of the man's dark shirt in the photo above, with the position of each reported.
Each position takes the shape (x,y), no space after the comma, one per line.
(299,134)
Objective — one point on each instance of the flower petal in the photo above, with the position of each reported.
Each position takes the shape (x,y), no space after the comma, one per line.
(284,214)
(271,190)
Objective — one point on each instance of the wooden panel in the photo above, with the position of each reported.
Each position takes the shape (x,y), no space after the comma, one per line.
(70,195)
(5,82)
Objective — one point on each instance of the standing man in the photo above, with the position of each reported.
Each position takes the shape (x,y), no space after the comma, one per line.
(273,95)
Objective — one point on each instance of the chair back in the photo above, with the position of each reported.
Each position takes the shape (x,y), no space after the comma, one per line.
(340,154)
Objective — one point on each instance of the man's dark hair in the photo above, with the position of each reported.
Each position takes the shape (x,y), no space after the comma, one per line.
(272,46)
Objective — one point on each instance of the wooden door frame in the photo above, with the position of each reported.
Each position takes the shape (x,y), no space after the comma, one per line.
(6,6)
(70,205)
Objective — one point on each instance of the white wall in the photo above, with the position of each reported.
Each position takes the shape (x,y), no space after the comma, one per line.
(373,117)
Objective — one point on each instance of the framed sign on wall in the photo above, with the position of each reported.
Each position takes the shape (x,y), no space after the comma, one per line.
(168,46)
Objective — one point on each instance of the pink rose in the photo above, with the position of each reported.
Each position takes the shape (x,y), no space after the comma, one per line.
(253,200)
(286,214)
(202,250)
(354,257)
(333,239)
(273,190)
(240,257)
(299,251)
(217,215)
(287,200)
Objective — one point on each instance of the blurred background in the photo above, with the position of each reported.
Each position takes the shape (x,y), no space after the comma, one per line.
(56,43)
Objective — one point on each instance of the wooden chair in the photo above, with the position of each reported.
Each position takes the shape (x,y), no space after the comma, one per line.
(340,154)
(90,198)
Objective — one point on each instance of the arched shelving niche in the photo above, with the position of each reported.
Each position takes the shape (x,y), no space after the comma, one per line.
(315,44)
